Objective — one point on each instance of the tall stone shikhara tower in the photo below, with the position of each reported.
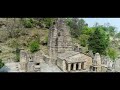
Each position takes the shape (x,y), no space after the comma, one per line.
(59,39)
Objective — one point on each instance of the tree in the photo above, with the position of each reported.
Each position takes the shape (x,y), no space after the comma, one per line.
(76,26)
(81,24)
(72,23)
(98,41)
(112,30)
(117,35)
(83,39)
(87,30)
(107,28)
(112,53)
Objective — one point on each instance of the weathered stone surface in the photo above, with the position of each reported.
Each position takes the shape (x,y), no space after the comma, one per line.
(12,67)
(23,60)
(96,64)
(72,57)
(91,54)
(59,39)
(117,65)
(63,56)
(97,59)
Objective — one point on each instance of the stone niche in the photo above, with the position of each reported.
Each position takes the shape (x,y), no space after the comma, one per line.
(37,67)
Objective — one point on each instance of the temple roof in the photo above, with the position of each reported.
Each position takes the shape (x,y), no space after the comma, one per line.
(72,57)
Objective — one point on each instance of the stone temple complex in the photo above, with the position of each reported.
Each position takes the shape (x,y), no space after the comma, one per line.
(63,56)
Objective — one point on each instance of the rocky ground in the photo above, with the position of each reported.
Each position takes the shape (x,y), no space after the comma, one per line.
(6,55)
(11,67)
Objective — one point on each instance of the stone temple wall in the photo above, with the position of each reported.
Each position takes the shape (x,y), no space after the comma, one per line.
(59,39)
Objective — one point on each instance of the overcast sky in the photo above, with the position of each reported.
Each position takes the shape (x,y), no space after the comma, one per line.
(113,21)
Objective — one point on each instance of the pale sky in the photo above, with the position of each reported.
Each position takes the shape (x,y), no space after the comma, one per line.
(113,21)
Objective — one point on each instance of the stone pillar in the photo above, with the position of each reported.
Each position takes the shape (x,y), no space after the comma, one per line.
(64,66)
(79,66)
(69,67)
(74,66)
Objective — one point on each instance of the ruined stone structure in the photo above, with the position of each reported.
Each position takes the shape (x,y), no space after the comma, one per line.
(59,39)
(64,55)
(30,62)
(101,64)
(71,61)
(23,60)
(96,64)
(62,52)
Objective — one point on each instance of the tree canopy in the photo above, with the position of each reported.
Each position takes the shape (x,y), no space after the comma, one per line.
(98,41)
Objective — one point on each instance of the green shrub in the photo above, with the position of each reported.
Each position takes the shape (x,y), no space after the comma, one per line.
(1,63)
(28,23)
(34,46)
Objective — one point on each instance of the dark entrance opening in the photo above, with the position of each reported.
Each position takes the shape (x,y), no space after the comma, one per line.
(37,63)
(59,34)
(66,66)
(56,42)
(94,68)
(72,66)
(77,66)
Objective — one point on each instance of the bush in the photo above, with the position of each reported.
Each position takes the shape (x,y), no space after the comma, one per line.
(34,46)
(48,22)
(1,63)
(28,23)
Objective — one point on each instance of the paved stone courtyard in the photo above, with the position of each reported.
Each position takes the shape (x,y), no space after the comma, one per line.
(49,68)
(15,67)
